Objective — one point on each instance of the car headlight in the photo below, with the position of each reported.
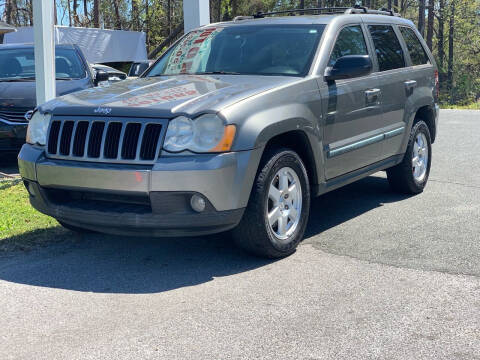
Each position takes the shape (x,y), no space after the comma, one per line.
(37,128)
(207,133)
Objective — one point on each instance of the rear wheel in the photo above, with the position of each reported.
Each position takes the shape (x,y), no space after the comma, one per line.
(277,212)
(411,175)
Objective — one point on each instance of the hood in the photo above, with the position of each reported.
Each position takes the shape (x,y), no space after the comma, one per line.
(165,96)
(23,93)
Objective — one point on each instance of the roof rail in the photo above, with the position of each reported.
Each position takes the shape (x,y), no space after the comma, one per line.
(327,10)
(243,17)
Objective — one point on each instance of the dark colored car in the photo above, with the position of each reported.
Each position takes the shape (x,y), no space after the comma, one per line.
(114,75)
(17,86)
(139,67)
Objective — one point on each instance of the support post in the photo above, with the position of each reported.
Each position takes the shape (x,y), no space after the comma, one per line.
(44,50)
(195,13)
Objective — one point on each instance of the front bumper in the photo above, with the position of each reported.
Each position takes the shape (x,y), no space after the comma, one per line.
(143,200)
(12,136)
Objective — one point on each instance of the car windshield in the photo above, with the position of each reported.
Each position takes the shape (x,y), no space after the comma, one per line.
(243,50)
(19,64)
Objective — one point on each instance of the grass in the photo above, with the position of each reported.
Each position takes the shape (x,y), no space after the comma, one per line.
(472,106)
(21,226)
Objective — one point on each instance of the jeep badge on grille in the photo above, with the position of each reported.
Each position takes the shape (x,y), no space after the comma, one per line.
(102,110)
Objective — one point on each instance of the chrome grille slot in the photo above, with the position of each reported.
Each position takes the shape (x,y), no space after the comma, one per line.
(150,141)
(106,139)
(66,138)
(80,138)
(112,140)
(130,141)
(14,114)
(53,137)
(95,140)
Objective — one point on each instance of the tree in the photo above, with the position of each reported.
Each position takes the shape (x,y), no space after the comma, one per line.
(76,21)
(96,13)
(421,16)
(430,19)
(451,32)
(440,37)
(118,21)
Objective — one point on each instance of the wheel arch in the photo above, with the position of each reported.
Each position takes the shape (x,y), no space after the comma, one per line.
(427,114)
(298,141)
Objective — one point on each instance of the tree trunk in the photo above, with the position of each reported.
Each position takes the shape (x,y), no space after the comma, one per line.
(441,24)
(85,11)
(421,17)
(169,16)
(395,5)
(302,4)
(118,23)
(234,5)
(219,10)
(451,32)
(147,23)
(75,13)
(135,25)
(430,22)
(96,14)
(8,11)
(30,13)
(69,14)
(389,4)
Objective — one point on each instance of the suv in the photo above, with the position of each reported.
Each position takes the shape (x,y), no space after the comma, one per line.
(237,126)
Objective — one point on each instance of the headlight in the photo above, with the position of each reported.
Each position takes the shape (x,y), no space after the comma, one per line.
(37,128)
(207,133)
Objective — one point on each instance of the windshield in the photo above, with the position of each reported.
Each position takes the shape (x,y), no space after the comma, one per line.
(249,50)
(19,64)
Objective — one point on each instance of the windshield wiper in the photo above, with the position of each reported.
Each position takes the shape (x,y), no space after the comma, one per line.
(217,73)
(19,79)
(201,73)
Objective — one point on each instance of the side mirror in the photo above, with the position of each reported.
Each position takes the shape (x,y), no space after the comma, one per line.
(349,66)
(101,76)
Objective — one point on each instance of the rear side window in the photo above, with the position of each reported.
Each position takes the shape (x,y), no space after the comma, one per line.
(414,46)
(387,47)
(350,41)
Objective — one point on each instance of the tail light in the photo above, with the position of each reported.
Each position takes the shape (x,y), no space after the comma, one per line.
(437,84)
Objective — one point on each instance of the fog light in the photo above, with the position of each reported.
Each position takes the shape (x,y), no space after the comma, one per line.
(197,203)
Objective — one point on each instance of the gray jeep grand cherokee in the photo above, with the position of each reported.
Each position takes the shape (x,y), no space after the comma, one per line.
(237,126)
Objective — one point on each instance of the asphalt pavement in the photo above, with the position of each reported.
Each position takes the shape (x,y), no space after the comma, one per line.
(379,276)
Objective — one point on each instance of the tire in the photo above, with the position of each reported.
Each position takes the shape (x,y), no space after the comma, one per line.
(255,233)
(76,229)
(407,178)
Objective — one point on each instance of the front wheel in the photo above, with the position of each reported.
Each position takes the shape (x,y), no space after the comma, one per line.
(277,212)
(411,175)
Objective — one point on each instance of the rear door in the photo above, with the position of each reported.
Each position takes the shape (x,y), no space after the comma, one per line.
(394,84)
(351,109)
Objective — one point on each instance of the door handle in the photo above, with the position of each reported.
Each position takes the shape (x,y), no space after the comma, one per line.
(409,86)
(372,95)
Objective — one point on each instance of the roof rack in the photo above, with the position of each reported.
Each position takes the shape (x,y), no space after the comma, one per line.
(325,11)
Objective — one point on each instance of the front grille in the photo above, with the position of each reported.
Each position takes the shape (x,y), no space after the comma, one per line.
(105,139)
(14,114)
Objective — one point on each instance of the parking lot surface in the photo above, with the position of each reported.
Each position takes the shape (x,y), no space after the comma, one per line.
(379,276)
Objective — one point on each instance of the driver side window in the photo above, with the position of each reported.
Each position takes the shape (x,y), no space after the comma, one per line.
(350,41)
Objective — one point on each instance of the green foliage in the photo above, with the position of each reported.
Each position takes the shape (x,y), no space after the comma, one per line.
(158,18)
(21,226)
